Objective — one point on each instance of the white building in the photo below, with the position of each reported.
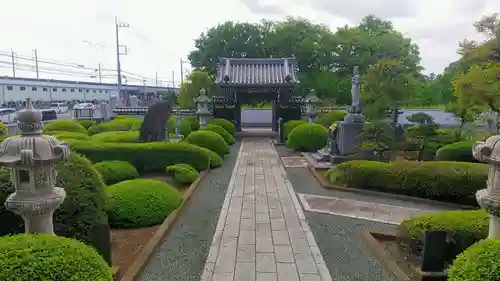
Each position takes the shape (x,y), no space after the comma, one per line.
(18,89)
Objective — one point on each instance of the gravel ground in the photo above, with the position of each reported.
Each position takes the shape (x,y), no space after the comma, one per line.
(183,254)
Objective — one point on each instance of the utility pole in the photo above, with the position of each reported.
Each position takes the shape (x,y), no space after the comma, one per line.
(36,63)
(182,70)
(13,64)
(118,64)
(173,79)
(156,78)
(100,76)
(145,88)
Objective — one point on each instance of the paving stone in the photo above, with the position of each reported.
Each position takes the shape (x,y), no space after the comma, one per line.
(266,276)
(245,271)
(280,237)
(310,277)
(223,276)
(246,253)
(287,272)
(247,237)
(283,253)
(278,224)
(305,264)
(266,262)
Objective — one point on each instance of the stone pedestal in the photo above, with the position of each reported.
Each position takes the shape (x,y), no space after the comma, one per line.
(347,137)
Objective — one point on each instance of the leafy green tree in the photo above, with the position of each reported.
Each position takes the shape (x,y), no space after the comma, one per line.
(190,89)
(421,133)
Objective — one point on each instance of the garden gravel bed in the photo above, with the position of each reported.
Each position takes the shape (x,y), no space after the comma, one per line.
(182,255)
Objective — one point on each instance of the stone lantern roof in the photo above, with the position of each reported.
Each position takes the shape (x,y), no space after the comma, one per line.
(488,151)
(202,98)
(312,97)
(31,147)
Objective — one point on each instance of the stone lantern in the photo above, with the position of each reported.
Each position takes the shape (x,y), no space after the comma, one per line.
(489,198)
(202,108)
(311,101)
(31,158)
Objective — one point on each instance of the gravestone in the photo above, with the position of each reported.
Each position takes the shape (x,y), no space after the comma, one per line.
(134,101)
(281,131)
(153,127)
(434,256)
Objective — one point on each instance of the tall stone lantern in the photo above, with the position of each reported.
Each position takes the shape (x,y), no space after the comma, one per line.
(31,158)
(202,108)
(311,101)
(489,198)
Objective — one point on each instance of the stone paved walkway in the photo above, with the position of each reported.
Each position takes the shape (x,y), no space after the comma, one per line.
(262,233)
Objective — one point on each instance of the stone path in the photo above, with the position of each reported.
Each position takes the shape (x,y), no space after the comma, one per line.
(262,233)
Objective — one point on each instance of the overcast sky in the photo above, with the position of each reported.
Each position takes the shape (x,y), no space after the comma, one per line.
(82,32)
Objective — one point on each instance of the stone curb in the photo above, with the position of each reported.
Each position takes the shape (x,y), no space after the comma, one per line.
(140,262)
(327,185)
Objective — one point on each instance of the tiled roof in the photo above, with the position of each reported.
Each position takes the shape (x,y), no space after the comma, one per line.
(256,72)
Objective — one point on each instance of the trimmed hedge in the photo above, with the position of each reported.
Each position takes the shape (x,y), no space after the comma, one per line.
(86,123)
(49,257)
(307,137)
(183,174)
(185,126)
(81,216)
(479,262)
(116,171)
(227,125)
(447,181)
(119,136)
(328,118)
(464,227)
(141,203)
(4,130)
(64,126)
(70,136)
(221,131)
(151,156)
(290,125)
(209,140)
(118,124)
(459,152)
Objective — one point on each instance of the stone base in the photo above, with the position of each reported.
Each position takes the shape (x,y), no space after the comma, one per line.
(347,137)
(322,155)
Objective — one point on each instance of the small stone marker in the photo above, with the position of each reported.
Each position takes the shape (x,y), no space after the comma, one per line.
(433,256)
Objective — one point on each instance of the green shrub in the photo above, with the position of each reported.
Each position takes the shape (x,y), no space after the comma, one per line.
(290,125)
(149,157)
(479,262)
(49,257)
(459,151)
(116,171)
(117,124)
(64,126)
(187,166)
(438,140)
(185,127)
(4,130)
(81,216)
(86,123)
(141,203)
(221,131)
(307,137)
(328,118)
(119,136)
(137,125)
(183,174)
(195,124)
(209,140)
(70,136)
(447,181)
(464,227)
(227,125)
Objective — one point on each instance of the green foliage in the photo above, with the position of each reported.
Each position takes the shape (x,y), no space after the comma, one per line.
(116,171)
(49,257)
(118,136)
(70,136)
(455,182)
(86,123)
(185,126)
(459,151)
(307,137)
(183,174)
(81,216)
(190,89)
(290,125)
(209,140)
(464,228)
(149,157)
(3,130)
(328,118)
(376,136)
(227,125)
(141,203)
(64,126)
(220,131)
(479,262)
(124,123)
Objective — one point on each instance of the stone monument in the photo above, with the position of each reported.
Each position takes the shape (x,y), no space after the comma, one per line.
(311,101)
(202,108)
(31,158)
(134,101)
(489,198)
(153,127)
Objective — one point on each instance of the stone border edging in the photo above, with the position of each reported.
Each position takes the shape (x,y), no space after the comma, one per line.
(327,185)
(379,251)
(140,262)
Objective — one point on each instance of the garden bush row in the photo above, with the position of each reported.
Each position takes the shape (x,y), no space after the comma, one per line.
(307,137)
(209,140)
(183,173)
(455,182)
(459,151)
(116,171)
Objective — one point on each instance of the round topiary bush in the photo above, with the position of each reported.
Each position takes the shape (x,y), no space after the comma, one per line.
(117,124)
(86,123)
(49,257)
(70,136)
(141,203)
(308,137)
(184,126)
(119,136)
(221,131)
(459,152)
(227,125)
(116,171)
(479,262)
(81,216)
(183,174)
(65,126)
(210,140)
(328,118)
(290,125)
